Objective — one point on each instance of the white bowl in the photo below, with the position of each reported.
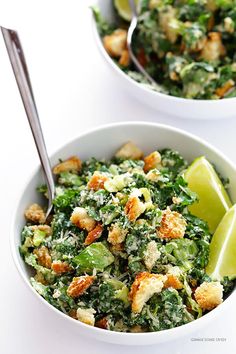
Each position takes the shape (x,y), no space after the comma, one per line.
(175,106)
(103,142)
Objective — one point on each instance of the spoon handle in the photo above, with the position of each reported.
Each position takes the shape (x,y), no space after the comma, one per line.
(20,70)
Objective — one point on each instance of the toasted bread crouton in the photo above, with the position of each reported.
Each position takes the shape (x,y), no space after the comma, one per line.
(173,282)
(143,288)
(209,295)
(125,58)
(152,161)
(81,219)
(86,316)
(173,225)
(221,91)
(35,214)
(229,25)
(72,164)
(116,42)
(142,58)
(213,48)
(79,285)
(43,256)
(116,234)
(134,208)
(117,249)
(129,151)
(73,313)
(60,267)
(44,228)
(137,329)
(97,181)
(166,18)
(151,255)
(102,323)
(94,234)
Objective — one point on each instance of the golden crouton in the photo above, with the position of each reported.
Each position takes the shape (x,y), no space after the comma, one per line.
(35,214)
(166,18)
(97,181)
(143,288)
(81,219)
(116,42)
(102,323)
(229,25)
(173,225)
(173,282)
(129,151)
(152,161)
(213,48)
(116,234)
(44,228)
(43,256)
(151,255)
(79,285)
(221,91)
(209,295)
(60,267)
(117,249)
(73,313)
(125,58)
(94,234)
(86,316)
(137,329)
(72,164)
(134,208)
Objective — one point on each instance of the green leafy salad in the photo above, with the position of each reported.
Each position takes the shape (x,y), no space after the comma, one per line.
(121,251)
(187,46)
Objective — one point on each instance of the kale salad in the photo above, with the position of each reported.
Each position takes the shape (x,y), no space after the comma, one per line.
(187,46)
(120,250)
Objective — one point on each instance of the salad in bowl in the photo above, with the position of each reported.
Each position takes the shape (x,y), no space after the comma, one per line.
(124,248)
(186,46)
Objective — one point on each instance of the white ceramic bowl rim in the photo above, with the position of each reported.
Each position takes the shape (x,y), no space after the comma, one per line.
(161,334)
(144,87)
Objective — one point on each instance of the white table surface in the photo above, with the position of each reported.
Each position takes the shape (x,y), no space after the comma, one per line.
(74,92)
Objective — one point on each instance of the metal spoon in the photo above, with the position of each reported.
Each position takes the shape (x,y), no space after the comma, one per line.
(17,59)
(131,29)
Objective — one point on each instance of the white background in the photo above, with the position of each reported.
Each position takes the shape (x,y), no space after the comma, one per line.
(74,91)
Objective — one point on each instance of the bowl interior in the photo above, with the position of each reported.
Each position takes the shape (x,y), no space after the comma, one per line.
(102,143)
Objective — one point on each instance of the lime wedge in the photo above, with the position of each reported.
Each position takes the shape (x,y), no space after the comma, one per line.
(123,9)
(213,201)
(222,258)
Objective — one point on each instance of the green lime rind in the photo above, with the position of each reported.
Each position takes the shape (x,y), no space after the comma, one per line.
(222,258)
(123,9)
(213,201)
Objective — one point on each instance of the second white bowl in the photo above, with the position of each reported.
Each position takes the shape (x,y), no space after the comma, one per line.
(175,106)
